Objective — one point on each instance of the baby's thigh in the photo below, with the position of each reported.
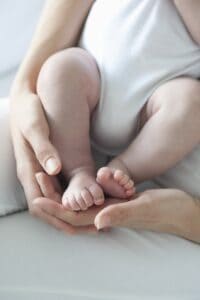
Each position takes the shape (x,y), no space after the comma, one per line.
(12,196)
(184,175)
(180,95)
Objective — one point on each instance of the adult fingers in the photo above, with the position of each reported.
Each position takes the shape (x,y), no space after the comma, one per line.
(113,215)
(133,213)
(86,229)
(63,226)
(49,188)
(54,213)
(45,152)
(36,131)
(50,219)
(27,166)
(83,218)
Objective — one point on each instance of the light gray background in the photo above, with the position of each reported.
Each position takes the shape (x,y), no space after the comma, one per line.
(17,22)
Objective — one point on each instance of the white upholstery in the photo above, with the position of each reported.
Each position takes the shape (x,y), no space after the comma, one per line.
(38,262)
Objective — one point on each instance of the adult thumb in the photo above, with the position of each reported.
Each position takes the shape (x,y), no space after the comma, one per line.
(47,156)
(45,152)
(114,215)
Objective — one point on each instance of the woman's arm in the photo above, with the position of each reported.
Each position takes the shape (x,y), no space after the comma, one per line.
(190,12)
(59,27)
(160,210)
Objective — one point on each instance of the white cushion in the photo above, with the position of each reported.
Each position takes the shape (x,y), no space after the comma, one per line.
(39,262)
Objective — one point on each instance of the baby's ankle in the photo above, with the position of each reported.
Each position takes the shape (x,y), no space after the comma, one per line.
(118,163)
(84,169)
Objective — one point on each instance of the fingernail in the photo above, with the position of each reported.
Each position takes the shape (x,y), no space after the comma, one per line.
(37,175)
(51,165)
(99,201)
(105,223)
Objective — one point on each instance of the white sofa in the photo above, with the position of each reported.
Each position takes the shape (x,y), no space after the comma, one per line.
(39,262)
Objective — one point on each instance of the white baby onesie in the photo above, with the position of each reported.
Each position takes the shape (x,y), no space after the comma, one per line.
(138,45)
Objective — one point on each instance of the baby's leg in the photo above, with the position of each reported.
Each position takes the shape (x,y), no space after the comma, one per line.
(69,88)
(170,125)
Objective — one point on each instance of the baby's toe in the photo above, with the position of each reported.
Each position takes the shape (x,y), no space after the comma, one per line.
(130,193)
(118,175)
(69,202)
(87,197)
(97,194)
(124,180)
(121,177)
(129,184)
(81,202)
(104,173)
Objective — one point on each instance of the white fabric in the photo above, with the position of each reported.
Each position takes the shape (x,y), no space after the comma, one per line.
(138,45)
(39,262)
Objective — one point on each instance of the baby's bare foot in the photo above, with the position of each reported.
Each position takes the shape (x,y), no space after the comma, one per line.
(83,191)
(115,182)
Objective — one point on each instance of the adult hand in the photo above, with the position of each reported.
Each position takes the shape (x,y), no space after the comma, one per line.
(34,153)
(33,149)
(161,210)
(50,209)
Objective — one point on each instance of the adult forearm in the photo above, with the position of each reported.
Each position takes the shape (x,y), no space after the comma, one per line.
(190,12)
(179,214)
(189,223)
(59,27)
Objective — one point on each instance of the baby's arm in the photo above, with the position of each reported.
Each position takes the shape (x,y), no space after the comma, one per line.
(190,12)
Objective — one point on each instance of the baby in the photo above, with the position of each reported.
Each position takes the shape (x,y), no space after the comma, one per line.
(130,89)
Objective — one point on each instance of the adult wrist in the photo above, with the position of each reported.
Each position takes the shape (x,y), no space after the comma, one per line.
(21,87)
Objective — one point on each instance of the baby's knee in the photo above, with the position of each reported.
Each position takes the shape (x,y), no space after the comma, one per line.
(191,92)
(71,67)
(180,96)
